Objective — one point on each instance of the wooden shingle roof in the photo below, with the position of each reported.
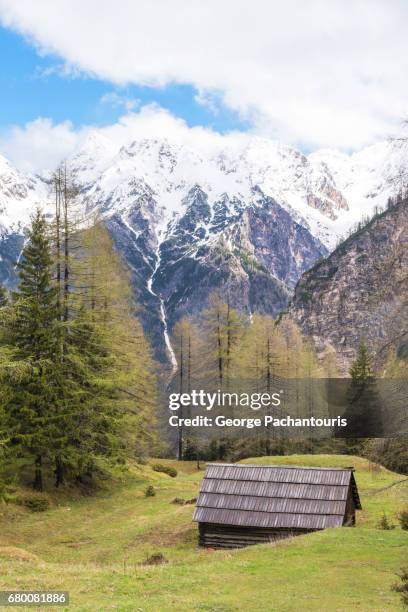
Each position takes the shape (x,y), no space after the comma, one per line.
(278,496)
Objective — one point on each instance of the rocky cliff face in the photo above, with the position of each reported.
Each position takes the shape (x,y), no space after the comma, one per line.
(251,252)
(359,292)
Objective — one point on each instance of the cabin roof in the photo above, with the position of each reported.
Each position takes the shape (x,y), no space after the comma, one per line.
(275,496)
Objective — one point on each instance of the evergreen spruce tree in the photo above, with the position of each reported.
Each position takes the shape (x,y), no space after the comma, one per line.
(3,296)
(363,413)
(31,334)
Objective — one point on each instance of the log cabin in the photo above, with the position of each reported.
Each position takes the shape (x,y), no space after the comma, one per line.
(239,505)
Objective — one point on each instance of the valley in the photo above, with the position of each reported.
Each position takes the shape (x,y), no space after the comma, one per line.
(69,548)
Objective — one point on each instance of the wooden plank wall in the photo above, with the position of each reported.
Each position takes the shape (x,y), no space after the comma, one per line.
(229,536)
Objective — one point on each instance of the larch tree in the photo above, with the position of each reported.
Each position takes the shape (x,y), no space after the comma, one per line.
(185,343)
(261,358)
(223,329)
(222,333)
(128,388)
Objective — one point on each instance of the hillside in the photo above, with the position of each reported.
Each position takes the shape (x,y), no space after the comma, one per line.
(96,548)
(359,291)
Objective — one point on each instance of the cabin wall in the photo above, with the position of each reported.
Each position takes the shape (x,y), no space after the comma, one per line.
(230,536)
(350,514)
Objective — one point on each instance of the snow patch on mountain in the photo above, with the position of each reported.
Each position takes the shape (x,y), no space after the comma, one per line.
(19,196)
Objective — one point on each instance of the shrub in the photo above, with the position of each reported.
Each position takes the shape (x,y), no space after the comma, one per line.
(166,469)
(402,586)
(156,559)
(141,460)
(150,491)
(385,523)
(3,491)
(184,502)
(34,502)
(403,519)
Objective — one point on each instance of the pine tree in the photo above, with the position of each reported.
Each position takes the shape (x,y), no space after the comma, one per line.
(361,369)
(402,586)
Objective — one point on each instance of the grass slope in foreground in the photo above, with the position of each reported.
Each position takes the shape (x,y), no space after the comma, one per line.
(95,547)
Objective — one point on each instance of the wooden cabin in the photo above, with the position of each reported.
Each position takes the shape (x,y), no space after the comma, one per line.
(239,505)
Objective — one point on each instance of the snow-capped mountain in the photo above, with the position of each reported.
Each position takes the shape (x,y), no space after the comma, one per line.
(244,216)
(304,187)
(326,191)
(19,196)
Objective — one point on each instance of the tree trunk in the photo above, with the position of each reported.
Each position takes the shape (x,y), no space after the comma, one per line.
(38,476)
(181,414)
(58,236)
(66,249)
(59,472)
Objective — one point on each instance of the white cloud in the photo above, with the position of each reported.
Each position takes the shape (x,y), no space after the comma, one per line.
(209,99)
(152,121)
(40,145)
(313,73)
(112,98)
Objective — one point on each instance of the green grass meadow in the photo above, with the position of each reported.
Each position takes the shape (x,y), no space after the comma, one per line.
(96,548)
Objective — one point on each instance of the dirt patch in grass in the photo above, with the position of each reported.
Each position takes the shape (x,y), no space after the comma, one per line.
(76,543)
(186,533)
(17,554)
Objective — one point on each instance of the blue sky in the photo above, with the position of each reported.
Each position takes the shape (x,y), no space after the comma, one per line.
(33,85)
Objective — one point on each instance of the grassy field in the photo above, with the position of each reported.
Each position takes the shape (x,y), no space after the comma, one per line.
(96,547)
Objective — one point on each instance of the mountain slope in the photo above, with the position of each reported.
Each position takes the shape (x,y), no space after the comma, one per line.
(359,291)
